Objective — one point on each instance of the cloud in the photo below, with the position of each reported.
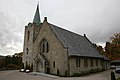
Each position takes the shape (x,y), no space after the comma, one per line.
(97,19)
(10,35)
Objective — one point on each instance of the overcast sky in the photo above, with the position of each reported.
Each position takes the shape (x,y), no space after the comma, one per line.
(98,19)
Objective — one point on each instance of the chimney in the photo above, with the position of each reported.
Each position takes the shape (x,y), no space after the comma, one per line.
(45,18)
(84,35)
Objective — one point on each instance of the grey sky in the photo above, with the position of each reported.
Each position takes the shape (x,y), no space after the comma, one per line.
(98,19)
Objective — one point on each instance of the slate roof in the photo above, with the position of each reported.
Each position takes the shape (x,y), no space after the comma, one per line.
(77,45)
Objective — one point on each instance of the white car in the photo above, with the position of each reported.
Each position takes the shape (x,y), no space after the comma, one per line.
(117,70)
(27,71)
(22,70)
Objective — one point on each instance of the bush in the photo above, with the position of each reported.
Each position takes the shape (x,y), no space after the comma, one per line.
(75,75)
(95,70)
(118,78)
(12,67)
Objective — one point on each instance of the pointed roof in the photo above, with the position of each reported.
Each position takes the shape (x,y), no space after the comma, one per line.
(37,15)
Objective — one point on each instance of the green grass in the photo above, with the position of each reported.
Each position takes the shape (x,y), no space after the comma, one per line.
(118,78)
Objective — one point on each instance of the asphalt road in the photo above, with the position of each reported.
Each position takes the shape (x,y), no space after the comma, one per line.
(16,75)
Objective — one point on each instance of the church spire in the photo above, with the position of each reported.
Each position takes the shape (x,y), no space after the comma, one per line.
(37,15)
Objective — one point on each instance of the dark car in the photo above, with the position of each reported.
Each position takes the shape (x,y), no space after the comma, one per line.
(117,70)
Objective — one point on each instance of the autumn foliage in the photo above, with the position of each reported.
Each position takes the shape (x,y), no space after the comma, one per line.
(112,48)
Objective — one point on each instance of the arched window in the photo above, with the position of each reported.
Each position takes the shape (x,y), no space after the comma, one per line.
(44,46)
(27,50)
(28,35)
(47,47)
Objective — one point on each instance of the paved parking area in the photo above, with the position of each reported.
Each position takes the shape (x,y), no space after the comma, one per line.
(16,75)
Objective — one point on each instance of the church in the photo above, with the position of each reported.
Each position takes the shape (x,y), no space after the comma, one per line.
(54,50)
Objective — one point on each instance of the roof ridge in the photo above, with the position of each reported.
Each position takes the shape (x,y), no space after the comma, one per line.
(66,30)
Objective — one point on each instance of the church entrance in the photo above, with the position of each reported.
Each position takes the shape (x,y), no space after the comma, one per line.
(47,67)
(48,70)
(39,65)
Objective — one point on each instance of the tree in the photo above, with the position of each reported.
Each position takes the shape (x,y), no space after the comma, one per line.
(113,48)
(15,60)
(8,60)
(100,49)
(116,39)
(2,63)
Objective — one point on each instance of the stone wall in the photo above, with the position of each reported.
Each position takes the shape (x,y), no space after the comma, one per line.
(83,68)
(57,53)
(30,31)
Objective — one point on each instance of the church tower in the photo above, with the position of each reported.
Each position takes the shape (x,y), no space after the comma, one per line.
(30,34)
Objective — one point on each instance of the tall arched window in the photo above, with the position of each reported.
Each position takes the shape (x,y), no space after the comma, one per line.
(44,46)
(27,50)
(28,35)
(47,47)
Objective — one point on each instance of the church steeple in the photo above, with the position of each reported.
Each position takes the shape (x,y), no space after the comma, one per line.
(37,15)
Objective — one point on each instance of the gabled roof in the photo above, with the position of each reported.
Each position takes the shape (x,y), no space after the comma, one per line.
(77,45)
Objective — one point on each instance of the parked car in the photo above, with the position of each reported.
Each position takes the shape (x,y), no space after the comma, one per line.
(112,66)
(27,71)
(117,70)
(22,70)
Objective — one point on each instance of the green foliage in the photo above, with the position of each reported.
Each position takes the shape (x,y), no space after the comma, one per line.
(2,63)
(11,61)
(82,73)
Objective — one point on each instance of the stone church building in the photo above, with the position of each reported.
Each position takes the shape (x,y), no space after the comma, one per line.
(54,50)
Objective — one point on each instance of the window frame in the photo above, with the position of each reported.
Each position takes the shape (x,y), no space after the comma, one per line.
(28,35)
(53,64)
(85,62)
(78,62)
(44,46)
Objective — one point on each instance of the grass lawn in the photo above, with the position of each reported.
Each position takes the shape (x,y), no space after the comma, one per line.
(118,78)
